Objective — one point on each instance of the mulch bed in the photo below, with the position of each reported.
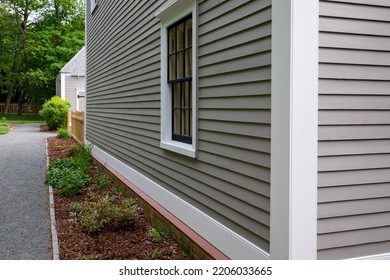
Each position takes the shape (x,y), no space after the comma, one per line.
(131,243)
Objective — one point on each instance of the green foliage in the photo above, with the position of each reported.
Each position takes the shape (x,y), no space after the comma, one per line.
(111,212)
(63,133)
(34,50)
(69,174)
(102,181)
(65,175)
(156,235)
(3,119)
(82,155)
(3,128)
(55,112)
(156,254)
(24,119)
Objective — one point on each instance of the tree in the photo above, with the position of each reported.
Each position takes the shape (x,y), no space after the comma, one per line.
(38,38)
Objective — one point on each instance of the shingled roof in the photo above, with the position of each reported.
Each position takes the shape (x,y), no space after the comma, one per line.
(76,65)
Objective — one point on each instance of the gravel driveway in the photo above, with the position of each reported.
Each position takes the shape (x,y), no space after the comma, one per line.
(24,204)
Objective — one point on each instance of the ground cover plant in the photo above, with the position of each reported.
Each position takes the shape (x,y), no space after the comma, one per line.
(100,221)
(3,128)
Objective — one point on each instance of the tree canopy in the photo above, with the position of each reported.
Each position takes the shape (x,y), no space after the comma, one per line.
(37,38)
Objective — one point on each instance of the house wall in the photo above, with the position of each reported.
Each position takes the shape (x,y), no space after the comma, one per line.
(229,179)
(354,129)
(72,83)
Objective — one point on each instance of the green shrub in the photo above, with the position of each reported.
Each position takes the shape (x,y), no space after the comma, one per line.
(64,174)
(63,133)
(111,212)
(55,112)
(3,128)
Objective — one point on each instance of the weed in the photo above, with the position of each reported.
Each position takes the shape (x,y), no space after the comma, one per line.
(156,254)
(82,155)
(3,119)
(155,234)
(76,208)
(102,181)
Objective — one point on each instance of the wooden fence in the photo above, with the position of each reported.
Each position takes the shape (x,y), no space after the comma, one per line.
(26,109)
(76,125)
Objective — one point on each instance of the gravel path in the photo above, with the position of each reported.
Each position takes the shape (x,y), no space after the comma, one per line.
(24,202)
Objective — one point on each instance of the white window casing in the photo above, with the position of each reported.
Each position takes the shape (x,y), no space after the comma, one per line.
(93,5)
(170,13)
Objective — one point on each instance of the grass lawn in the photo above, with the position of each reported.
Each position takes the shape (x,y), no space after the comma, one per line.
(3,128)
(23,119)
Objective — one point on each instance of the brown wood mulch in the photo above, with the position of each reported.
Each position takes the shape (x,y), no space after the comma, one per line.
(131,243)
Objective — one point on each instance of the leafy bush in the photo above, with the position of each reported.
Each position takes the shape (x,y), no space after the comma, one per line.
(63,133)
(64,174)
(108,212)
(3,128)
(55,111)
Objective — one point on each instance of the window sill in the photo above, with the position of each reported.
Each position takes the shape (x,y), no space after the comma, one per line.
(178,147)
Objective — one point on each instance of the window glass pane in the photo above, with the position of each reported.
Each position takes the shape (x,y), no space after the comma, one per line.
(172,40)
(180,37)
(172,67)
(186,122)
(176,122)
(176,95)
(188,33)
(188,63)
(186,95)
(180,65)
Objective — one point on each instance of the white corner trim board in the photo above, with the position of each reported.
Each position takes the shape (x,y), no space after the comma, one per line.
(222,238)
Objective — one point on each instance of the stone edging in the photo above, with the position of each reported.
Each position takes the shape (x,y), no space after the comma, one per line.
(54,237)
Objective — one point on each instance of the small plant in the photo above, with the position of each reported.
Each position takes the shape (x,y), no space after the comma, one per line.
(55,112)
(63,133)
(109,211)
(76,208)
(156,254)
(3,128)
(82,155)
(3,119)
(102,181)
(155,234)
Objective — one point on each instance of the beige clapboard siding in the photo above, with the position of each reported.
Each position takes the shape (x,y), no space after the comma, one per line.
(229,179)
(354,125)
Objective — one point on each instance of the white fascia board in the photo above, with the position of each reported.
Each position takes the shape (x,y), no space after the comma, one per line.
(294,129)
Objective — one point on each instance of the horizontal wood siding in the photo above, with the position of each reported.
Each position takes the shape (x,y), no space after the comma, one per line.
(354,129)
(71,84)
(229,179)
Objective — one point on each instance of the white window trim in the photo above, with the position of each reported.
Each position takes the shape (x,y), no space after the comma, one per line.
(93,5)
(170,13)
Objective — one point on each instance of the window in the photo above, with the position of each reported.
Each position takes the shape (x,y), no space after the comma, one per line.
(178,76)
(93,5)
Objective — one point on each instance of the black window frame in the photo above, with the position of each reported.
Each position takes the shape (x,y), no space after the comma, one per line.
(184,82)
